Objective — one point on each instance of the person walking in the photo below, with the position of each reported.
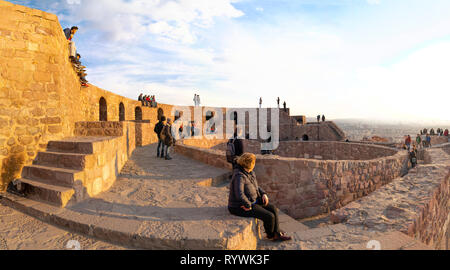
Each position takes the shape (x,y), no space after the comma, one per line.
(247,199)
(413,157)
(167,137)
(158,129)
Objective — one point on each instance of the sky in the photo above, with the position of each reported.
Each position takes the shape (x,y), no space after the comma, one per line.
(368,59)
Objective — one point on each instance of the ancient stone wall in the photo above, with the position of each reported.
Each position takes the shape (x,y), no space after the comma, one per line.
(305,187)
(332,150)
(33,80)
(438,140)
(417,204)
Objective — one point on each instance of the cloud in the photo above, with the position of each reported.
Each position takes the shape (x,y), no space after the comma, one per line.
(122,20)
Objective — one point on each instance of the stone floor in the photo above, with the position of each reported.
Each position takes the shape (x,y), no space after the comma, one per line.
(22,232)
(153,198)
(159,199)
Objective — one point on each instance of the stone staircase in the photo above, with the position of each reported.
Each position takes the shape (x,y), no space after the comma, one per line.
(59,176)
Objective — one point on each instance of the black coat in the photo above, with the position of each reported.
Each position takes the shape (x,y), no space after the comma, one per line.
(244,189)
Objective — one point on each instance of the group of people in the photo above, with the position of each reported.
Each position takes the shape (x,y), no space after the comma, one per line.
(278,104)
(74,56)
(439,132)
(318,118)
(148,101)
(196,100)
(163,130)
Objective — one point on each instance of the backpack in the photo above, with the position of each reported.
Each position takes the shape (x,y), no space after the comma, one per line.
(231,153)
(158,128)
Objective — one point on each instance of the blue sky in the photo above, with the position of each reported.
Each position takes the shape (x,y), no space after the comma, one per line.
(374,59)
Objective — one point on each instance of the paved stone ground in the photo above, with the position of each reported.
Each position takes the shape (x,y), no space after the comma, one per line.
(22,232)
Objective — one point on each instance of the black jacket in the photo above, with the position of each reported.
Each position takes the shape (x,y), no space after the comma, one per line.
(158,128)
(244,189)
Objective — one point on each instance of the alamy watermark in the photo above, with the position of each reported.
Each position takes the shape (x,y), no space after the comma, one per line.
(242,123)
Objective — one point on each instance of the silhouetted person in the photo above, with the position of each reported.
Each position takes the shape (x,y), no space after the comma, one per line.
(158,129)
(260,102)
(318,118)
(278,102)
(323,118)
(284,106)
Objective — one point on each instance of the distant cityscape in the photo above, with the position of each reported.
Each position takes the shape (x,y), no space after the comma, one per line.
(357,130)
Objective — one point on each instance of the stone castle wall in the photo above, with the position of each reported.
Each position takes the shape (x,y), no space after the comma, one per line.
(306,187)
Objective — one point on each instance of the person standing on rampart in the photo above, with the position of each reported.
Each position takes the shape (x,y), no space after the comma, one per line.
(69,33)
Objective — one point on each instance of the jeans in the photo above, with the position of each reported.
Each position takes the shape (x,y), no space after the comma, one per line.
(167,151)
(160,143)
(268,214)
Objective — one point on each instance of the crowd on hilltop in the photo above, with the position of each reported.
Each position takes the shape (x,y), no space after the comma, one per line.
(74,56)
(438,132)
(147,100)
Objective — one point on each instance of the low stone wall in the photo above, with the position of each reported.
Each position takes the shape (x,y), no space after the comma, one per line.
(332,150)
(417,204)
(305,187)
(439,140)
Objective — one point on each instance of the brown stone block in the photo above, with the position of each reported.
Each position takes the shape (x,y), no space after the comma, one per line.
(25,140)
(42,76)
(54,129)
(17,149)
(44,31)
(51,120)
(37,87)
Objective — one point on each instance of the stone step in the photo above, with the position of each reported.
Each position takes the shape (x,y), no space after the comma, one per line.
(79,147)
(52,175)
(56,195)
(61,160)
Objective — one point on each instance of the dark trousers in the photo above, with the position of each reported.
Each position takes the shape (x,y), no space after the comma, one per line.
(268,214)
(160,143)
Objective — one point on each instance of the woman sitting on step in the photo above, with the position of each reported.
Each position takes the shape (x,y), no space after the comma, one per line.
(247,199)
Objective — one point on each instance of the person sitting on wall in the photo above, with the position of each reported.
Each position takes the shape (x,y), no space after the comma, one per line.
(158,128)
(167,137)
(148,101)
(446,132)
(141,99)
(80,70)
(69,33)
(247,199)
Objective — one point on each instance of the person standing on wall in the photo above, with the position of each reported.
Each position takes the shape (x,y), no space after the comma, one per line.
(323,118)
(418,141)
(247,199)
(260,102)
(167,137)
(69,33)
(278,102)
(318,118)
(158,129)
(408,142)
(284,106)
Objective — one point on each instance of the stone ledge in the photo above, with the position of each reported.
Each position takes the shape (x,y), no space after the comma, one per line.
(233,234)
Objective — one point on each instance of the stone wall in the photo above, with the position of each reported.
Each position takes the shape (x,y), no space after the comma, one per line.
(305,187)
(332,150)
(417,204)
(439,140)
